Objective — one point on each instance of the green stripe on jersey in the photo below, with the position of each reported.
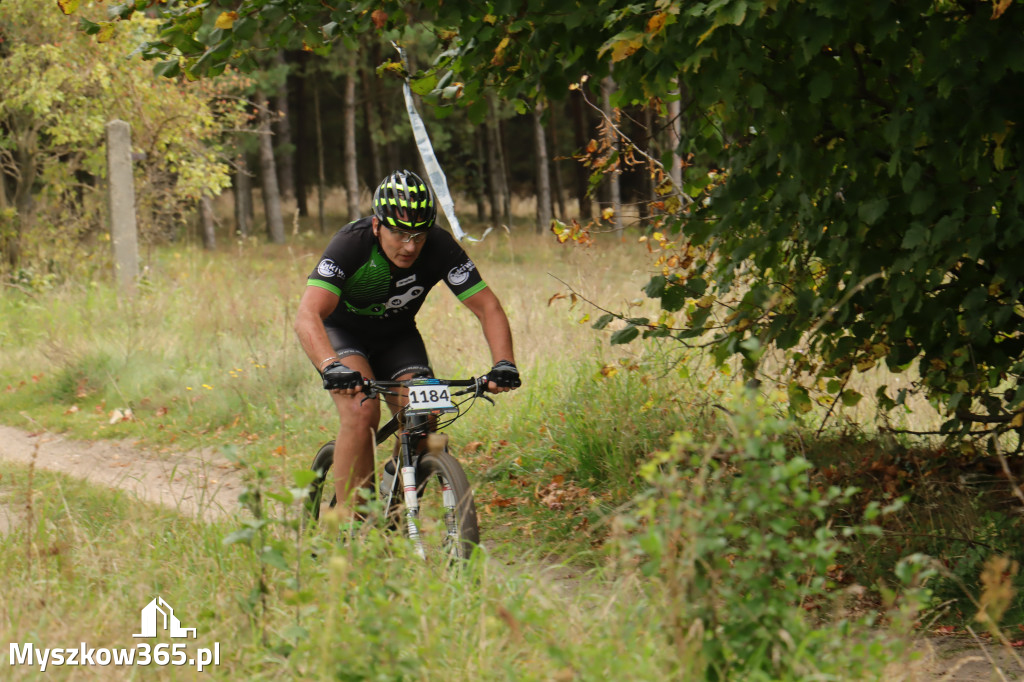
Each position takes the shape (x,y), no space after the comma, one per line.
(475,289)
(324,285)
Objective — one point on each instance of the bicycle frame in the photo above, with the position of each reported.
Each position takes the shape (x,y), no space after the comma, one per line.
(415,428)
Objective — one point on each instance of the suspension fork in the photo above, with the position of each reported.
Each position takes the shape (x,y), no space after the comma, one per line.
(408,459)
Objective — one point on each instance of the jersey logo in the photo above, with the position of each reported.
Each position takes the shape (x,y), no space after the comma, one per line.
(460,273)
(408,280)
(327,268)
(399,301)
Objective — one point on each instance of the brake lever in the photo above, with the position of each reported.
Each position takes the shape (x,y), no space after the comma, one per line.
(481,390)
(375,391)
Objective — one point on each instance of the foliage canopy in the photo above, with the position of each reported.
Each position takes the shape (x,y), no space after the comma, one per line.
(855,165)
(58,90)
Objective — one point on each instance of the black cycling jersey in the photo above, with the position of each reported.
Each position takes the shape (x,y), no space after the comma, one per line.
(377,296)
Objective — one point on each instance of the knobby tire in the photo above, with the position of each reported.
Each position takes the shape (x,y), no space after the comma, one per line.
(435,467)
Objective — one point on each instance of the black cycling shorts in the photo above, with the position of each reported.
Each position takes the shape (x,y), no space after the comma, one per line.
(390,356)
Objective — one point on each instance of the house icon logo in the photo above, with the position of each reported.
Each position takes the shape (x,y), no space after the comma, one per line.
(157,613)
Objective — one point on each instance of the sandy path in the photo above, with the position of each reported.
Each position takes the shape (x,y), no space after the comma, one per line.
(198,484)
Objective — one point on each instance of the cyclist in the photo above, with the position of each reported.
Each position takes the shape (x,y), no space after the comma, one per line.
(357,314)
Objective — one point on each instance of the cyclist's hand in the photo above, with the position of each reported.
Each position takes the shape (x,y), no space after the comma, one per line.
(339,377)
(504,376)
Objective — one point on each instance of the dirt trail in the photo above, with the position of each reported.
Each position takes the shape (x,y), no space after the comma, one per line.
(198,484)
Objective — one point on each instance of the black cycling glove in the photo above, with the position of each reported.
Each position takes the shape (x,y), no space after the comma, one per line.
(338,376)
(505,375)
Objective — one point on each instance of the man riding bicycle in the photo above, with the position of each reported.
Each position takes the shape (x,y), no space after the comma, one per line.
(356,317)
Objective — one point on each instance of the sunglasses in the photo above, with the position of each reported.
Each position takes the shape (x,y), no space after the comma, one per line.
(405,237)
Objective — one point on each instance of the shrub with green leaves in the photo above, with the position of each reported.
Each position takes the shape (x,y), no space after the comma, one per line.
(737,542)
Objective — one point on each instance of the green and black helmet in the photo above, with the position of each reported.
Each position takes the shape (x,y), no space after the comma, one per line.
(404,202)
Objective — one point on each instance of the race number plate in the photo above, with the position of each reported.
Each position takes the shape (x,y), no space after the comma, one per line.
(430,395)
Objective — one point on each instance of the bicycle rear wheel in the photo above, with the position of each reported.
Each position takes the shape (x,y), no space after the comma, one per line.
(321,465)
(447,516)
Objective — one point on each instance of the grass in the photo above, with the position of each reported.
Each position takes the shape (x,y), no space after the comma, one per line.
(204,356)
(88,559)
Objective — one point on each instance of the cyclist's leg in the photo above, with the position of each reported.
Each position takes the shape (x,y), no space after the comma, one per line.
(358,420)
(404,357)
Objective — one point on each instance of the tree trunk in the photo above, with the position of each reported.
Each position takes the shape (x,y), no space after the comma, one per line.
(207,224)
(503,175)
(543,171)
(643,136)
(303,146)
(559,188)
(582,176)
(285,144)
(268,169)
(479,176)
(351,169)
(9,243)
(385,122)
(493,167)
(496,166)
(369,87)
(607,87)
(242,183)
(675,139)
(319,156)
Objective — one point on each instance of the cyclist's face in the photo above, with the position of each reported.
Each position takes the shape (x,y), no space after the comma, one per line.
(399,251)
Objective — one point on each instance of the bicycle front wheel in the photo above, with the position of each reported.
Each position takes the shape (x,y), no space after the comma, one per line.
(447,516)
(321,465)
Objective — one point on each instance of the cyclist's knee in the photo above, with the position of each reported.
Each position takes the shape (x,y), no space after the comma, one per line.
(355,413)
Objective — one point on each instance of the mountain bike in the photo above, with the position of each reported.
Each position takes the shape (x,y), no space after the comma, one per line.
(421,475)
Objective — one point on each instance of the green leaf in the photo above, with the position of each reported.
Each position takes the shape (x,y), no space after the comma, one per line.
(655,287)
(871,211)
(820,87)
(89,27)
(603,321)
(168,69)
(272,557)
(304,477)
(921,200)
(424,85)
(624,335)
(799,399)
(850,397)
(329,30)
(911,177)
(295,633)
(674,298)
(245,29)
(245,535)
(284,497)
(916,236)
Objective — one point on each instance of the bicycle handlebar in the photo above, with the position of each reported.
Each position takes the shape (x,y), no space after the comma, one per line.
(374,387)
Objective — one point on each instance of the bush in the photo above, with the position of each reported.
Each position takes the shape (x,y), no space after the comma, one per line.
(738,546)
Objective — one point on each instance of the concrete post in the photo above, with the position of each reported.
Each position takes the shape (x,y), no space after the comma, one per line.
(123,231)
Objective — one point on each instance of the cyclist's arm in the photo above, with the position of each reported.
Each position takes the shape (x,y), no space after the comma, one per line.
(487,308)
(314,307)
